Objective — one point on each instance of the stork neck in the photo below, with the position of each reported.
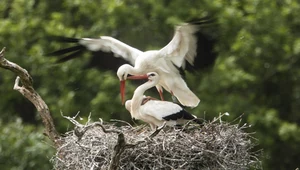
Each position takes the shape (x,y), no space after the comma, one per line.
(132,70)
(138,97)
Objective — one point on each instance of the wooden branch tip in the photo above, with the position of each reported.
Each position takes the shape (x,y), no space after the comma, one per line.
(2,52)
(16,85)
(107,130)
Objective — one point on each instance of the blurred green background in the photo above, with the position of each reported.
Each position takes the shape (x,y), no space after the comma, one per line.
(257,71)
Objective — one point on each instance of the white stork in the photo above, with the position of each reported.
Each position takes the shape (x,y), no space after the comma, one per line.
(168,62)
(153,111)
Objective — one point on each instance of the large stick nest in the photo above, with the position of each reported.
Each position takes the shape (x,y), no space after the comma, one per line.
(214,145)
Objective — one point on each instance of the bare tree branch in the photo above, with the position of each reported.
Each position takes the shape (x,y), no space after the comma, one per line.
(27,90)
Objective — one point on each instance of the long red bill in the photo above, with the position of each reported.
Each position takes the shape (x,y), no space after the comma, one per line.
(122,91)
(138,77)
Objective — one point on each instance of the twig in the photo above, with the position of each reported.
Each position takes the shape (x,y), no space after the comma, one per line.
(121,121)
(72,119)
(157,130)
(28,92)
(220,117)
(238,118)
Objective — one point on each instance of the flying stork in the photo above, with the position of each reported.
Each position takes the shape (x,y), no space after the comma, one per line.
(184,52)
(153,111)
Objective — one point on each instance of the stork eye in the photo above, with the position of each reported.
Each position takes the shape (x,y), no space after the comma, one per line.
(152,74)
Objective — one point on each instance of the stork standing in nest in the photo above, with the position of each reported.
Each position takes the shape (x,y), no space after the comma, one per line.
(153,111)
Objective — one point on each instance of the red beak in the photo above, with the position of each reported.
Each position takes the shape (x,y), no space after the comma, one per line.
(122,85)
(122,91)
(138,77)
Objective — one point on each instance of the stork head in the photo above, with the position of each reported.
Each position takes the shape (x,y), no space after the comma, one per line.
(122,74)
(153,76)
(123,71)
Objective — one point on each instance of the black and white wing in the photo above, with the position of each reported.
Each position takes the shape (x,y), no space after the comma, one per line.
(190,48)
(165,111)
(107,52)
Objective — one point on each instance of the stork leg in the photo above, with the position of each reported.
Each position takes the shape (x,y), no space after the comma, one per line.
(160,91)
(161,95)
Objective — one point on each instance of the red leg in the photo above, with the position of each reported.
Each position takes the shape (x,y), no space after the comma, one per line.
(161,95)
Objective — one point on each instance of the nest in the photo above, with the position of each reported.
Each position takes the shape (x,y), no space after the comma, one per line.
(214,145)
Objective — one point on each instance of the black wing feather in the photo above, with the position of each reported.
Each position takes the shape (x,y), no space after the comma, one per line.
(99,59)
(66,50)
(206,56)
(70,56)
(105,61)
(64,39)
(202,21)
(182,114)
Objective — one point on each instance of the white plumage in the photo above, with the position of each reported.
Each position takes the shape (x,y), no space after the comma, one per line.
(155,112)
(166,62)
(110,44)
(177,54)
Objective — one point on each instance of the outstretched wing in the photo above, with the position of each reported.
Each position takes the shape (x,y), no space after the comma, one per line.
(189,44)
(107,52)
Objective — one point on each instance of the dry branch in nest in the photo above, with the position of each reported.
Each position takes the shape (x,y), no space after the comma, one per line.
(215,145)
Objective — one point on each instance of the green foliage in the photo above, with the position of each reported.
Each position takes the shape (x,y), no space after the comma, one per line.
(282,136)
(257,71)
(23,147)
